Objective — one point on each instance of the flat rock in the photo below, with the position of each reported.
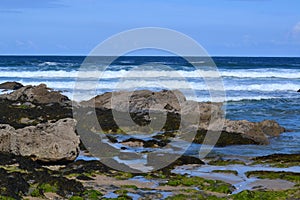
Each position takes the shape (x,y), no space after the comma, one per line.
(46,142)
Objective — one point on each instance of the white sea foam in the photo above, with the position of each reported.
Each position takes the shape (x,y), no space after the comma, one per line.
(85,95)
(167,84)
(48,64)
(291,74)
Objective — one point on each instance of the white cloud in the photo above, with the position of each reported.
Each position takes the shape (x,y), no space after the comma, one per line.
(296,30)
(20,43)
(26,44)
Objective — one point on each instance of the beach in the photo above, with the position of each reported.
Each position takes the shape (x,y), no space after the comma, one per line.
(250,161)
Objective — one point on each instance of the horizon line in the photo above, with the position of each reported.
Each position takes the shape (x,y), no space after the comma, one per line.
(81,55)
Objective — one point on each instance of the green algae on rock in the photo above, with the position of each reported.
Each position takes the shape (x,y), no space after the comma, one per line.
(279,160)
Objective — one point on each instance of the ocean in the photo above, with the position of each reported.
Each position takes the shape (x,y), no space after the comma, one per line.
(257,88)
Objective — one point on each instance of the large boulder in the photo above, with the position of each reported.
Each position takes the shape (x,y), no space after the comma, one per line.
(46,142)
(11,85)
(138,101)
(242,132)
(40,94)
(145,105)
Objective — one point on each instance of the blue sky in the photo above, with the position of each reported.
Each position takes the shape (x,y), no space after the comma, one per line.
(222,27)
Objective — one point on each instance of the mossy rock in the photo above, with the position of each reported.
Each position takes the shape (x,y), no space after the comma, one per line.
(279,160)
(201,183)
(289,176)
(92,194)
(267,195)
(221,162)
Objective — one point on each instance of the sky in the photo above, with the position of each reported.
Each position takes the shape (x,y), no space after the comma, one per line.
(222,27)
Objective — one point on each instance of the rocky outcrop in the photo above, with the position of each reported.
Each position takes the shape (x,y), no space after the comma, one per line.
(11,85)
(32,105)
(179,110)
(40,94)
(46,142)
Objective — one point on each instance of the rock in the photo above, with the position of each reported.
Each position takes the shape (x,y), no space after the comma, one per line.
(142,101)
(11,85)
(179,112)
(298,90)
(22,178)
(46,142)
(279,160)
(244,132)
(36,94)
(247,130)
(14,113)
(12,185)
(28,105)
(144,106)
(135,142)
(139,101)
(26,120)
(271,128)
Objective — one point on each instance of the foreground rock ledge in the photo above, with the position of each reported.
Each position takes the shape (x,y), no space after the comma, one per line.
(46,142)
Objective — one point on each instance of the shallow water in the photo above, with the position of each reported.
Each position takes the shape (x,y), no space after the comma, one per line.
(240,181)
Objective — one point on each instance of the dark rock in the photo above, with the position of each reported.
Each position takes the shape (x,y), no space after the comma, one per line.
(152,143)
(166,163)
(12,184)
(84,178)
(16,183)
(80,167)
(298,90)
(186,160)
(227,138)
(12,113)
(242,132)
(11,86)
(281,160)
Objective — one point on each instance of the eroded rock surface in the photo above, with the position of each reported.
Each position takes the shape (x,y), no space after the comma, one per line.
(47,142)
(40,94)
(11,85)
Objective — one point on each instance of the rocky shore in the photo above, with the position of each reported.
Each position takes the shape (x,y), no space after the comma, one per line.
(39,144)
